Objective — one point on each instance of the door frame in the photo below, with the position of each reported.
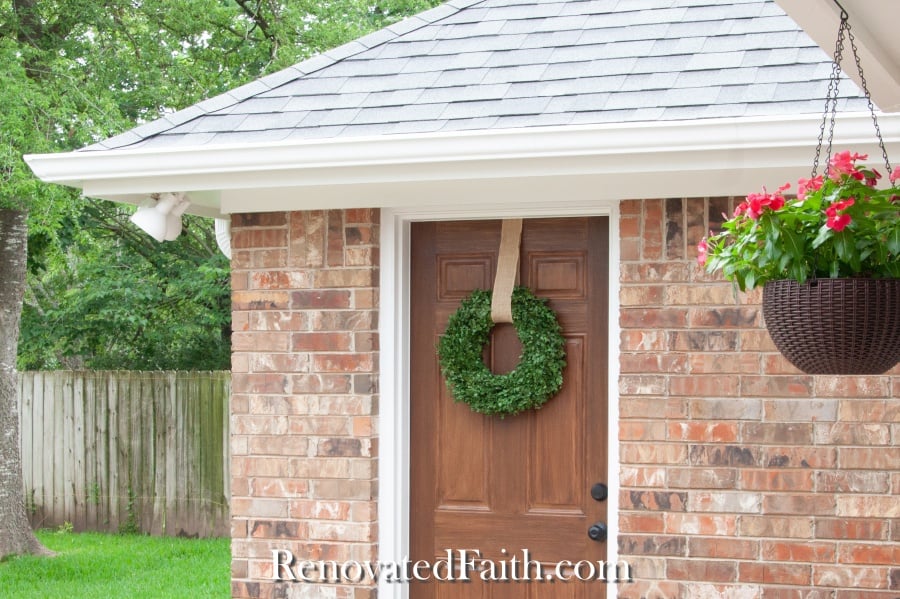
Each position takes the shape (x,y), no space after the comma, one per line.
(394,334)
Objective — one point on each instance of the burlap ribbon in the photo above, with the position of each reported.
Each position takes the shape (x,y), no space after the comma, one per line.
(507,270)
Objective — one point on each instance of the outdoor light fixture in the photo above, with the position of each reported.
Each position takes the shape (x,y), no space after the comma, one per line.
(162,218)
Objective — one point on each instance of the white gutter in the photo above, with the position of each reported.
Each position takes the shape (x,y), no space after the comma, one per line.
(702,157)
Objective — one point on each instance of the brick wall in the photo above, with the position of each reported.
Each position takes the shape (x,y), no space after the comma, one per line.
(741,476)
(304,398)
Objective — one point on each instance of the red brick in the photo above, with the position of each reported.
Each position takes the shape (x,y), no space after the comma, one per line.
(335,238)
(776,432)
(643,295)
(848,529)
(259,219)
(259,238)
(259,341)
(641,523)
(302,300)
(724,318)
(853,433)
(652,545)
(649,407)
(777,480)
(723,548)
(776,386)
(798,457)
(666,501)
(702,570)
(701,478)
(259,300)
(809,504)
(653,453)
(880,458)
(629,226)
(853,481)
(699,430)
(790,551)
(869,553)
(631,207)
(703,386)
(362,215)
(725,363)
(636,430)
(343,362)
(630,249)
(321,383)
(663,318)
(280,279)
(701,524)
(321,342)
(791,527)
(868,506)
(653,229)
(258,259)
(848,386)
(774,573)
(858,577)
(345,277)
(636,340)
(654,272)
(642,476)
(728,502)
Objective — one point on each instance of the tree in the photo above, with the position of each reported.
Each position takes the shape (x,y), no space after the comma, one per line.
(72,73)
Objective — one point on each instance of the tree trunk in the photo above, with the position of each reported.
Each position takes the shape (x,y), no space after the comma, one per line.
(16,536)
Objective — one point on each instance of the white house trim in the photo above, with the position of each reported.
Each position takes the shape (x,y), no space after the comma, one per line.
(394,331)
(658,159)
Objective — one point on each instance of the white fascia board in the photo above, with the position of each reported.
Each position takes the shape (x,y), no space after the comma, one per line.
(630,160)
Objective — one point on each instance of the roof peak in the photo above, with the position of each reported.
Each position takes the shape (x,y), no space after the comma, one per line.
(283,76)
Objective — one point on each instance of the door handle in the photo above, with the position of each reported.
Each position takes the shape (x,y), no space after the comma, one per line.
(599,492)
(597,532)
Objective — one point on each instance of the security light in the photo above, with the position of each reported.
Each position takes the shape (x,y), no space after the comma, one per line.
(161,219)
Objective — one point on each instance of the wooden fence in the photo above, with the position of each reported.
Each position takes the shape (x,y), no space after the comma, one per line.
(127,451)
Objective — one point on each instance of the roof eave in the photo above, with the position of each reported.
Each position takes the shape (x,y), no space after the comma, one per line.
(671,159)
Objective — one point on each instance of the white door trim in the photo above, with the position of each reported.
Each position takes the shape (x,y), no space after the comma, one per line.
(394,329)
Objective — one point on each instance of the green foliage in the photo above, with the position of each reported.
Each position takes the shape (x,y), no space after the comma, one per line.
(100,293)
(539,374)
(838,226)
(90,565)
(130,526)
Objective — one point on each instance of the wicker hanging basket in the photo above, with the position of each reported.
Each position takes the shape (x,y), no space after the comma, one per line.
(835,326)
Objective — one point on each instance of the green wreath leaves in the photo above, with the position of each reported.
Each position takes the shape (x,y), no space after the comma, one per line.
(537,378)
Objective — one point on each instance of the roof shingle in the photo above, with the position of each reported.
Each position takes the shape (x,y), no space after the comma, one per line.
(484,64)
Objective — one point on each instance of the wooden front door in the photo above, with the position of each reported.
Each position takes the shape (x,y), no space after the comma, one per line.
(523,482)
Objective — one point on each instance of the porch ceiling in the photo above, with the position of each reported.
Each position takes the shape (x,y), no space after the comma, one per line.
(873,24)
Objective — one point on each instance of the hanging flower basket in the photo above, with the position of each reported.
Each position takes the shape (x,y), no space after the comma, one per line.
(835,326)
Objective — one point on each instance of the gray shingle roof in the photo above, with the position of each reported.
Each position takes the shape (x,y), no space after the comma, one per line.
(483,64)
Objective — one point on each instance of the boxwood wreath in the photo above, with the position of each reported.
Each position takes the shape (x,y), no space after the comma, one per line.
(537,378)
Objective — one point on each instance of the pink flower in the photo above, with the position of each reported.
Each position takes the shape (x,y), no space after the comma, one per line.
(895,174)
(837,220)
(838,223)
(702,249)
(807,185)
(843,163)
(755,203)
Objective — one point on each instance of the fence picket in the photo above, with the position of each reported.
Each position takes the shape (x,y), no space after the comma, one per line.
(90,441)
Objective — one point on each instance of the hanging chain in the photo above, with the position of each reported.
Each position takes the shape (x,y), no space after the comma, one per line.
(865,88)
(831,99)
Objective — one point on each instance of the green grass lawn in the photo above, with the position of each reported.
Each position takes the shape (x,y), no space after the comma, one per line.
(100,566)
